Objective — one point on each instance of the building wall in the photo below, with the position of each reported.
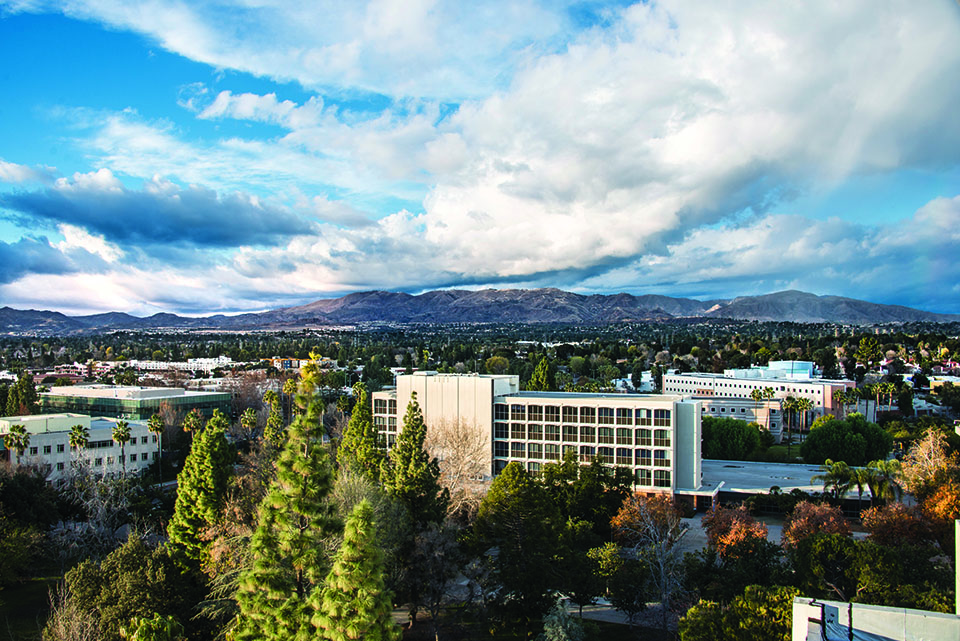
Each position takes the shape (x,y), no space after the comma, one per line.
(769,414)
(133,403)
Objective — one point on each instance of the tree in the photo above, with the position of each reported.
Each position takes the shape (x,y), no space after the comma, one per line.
(652,526)
(79,437)
(17,439)
(497,365)
(808,519)
(353,603)
(886,478)
(273,433)
(836,477)
(727,526)
(286,550)
(789,409)
(121,435)
(411,475)
(895,524)
(359,448)
(868,352)
(803,405)
(248,421)
(852,439)
(729,438)
(22,399)
(201,488)
(768,394)
(558,625)
(626,580)
(193,423)
(155,426)
(541,381)
(460,448)
(155,628)
(761,614)
(929,464)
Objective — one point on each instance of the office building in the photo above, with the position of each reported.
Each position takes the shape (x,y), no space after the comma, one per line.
(130,402)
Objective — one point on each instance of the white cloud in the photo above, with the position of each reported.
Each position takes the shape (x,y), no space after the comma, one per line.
(78,238)
(14,173)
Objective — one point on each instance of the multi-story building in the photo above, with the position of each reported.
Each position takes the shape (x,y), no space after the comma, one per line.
(50,444)
(786,378)
(656,436)
(767,413)
(130,402)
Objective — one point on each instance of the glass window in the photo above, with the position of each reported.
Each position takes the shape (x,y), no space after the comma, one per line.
(605,416)
(518,450)
(500,412)
(133,458)
(518,430)
(644,477)
(48,449)
(551,414)
(551,432)
(569,414)
(624,416)
(551,452)
(379,406)
(644,417)
(61,447)
(98,461)
(661,478)
(588,434)
(624,436)
(624,456)
(498,467)
(500,449)
(588,415)
(643,457)
(570,433)
(500,430)
(661,418)
(518,413)
(33,451)
(534,413)
(644,437)
(569,448)
(605,435)
(533,466)
(391,406)
(661,458)
(587,453)
(661,438)
(605,454)
(109,460)
(534,450)
(153,438)
(535,432)
(60,467)
(143,456)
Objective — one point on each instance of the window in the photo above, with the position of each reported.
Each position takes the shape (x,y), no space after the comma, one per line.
(518,413)
(644,417)
(605,454)
(661,458)
(644,437)
(392,424)
(153,456)
(569,433)
(551,414)
(518,450)
(535,432)
(391,406)
(586,453)
(153,438)
(569,448)
(109,460)
(379,406)
(498,467)
(534,413)
(500,449)
(661,418)
(500,430)
(624,436)
(644,477)
(661,438)
(588,415)
(60,467)
(33,451)
(143,440)
(47,449)
(533,466)
(624,416)
(605,416)
(133,458)
(391,440)
(643,457)
(380,422)
(534,450)
(569,414)
(588,434)
(98,462)
(551,452)
(518,430)
(143,456)
(624,456)
(500,412)
(61,447)
(551,432)
(605,435)
(661,478)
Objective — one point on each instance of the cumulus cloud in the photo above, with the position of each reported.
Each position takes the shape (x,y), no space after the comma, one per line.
(14,173)
(160,213)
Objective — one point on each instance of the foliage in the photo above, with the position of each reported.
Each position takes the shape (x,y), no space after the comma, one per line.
(353,603)
(751,561)
(121,435)
(895,524)
(761,614)
(22,398)
(155,628)
(929,464)
(17,439)
(559,625)
(201,488)
(808,519)
(853,440)
(730,526)
(626,582)
(359,448)
(729,438)
(592,493)
(542,380)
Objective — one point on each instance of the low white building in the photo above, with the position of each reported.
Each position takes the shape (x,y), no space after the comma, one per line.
(50,444)
(767,414)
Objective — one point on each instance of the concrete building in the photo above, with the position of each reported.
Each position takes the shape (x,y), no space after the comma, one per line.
(816,619)
(50,443)
(130,402)
(768,414)
(787,378)
(656,436)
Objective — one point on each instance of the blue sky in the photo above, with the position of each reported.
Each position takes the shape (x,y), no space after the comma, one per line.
(236,156)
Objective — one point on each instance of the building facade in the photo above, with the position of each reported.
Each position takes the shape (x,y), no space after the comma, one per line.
(768,414)
(50,444)
(657,437)
(130,402)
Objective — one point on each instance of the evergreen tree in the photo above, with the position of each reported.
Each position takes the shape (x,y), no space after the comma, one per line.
(541,379)
(201,488)
(286,557)
(359,449)
(354,604)
(411,475)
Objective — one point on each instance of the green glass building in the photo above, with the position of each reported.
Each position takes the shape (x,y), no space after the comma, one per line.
(128,402)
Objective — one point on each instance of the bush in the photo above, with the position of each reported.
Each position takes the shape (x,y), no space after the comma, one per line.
(853,440)
(729,438)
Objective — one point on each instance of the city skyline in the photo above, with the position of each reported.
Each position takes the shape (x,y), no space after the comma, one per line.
(226,158)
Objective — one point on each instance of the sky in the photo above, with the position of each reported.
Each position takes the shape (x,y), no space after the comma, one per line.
(243,155)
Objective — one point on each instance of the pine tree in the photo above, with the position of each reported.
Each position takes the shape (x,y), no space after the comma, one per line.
(286,559)
(201,487)
(540,381)
(411,475)
(354,604)
(358,449)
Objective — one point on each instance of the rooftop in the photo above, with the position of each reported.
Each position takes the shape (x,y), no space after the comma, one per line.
(128,392)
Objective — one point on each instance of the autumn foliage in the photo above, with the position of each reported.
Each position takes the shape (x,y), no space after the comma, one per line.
(895,524)
(726,526)
(809,518)
(644,513)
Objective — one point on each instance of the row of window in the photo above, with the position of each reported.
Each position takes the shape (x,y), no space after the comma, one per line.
(91,445)
(643,477)
(385,406)
(588,415)
(582,434)
(385,423)
(110,460)
(552,452)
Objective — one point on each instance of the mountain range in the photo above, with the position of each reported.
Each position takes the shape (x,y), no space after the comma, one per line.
(490,306)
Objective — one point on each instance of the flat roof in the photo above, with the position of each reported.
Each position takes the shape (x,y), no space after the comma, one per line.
(129,392)
(755,477)
(594,396)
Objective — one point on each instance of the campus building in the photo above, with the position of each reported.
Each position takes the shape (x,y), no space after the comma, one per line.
(768,413)
(130,402)
(656,436)
(786,378)
(50,444)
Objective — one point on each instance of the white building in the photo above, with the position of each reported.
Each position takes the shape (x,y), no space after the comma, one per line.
(656,436)
(50,443)
(768,414)
(787,378)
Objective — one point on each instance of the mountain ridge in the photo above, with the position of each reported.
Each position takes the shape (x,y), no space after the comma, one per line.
(547,305)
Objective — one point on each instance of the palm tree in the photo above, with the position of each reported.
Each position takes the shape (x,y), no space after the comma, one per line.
(79,437)
(789,406)
(889,389)
(121,434)
(840,399)
(804,405)
(887,474)
(767,394)
(862,477)
(193,422)
(155,426)
(834,475)
(248,420)
(17,439)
